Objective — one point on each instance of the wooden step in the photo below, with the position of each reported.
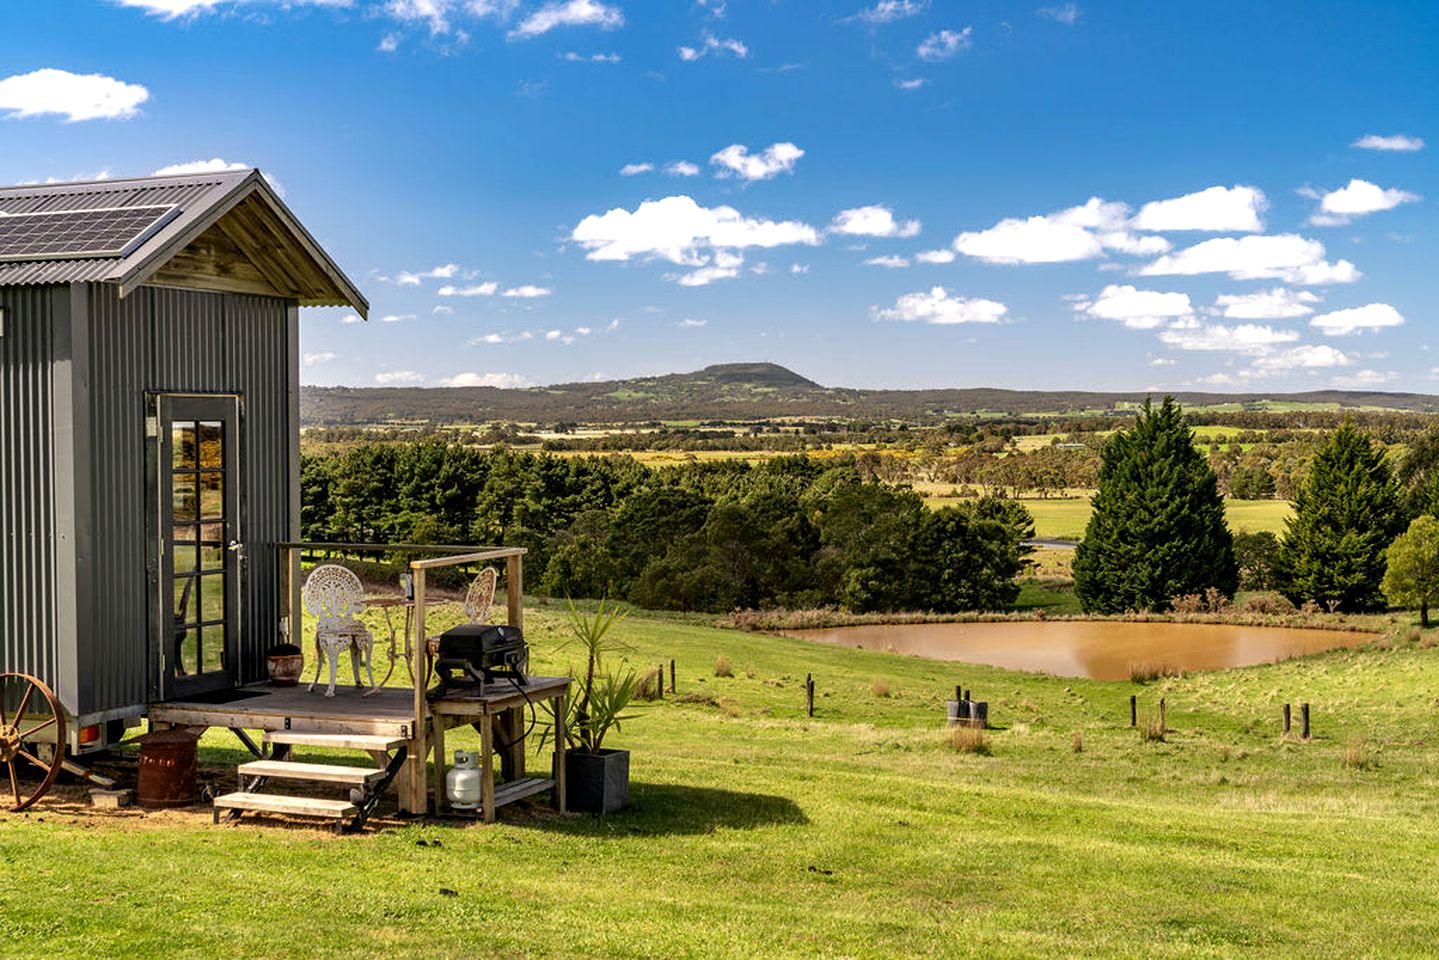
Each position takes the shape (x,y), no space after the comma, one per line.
(337,741)
(275,803)
(519,789)
(319,772)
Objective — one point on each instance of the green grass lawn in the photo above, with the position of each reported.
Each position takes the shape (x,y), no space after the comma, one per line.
(1065,519)
(756,832)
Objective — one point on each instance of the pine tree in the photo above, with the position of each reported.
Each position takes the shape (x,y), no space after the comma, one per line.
(1158,528)
(1345,515)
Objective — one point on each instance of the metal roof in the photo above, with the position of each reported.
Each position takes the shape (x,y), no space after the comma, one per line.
(203,198)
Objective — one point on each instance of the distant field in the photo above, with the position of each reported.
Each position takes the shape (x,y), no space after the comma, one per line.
(1065,519)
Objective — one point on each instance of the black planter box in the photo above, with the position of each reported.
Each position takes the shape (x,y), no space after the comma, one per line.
(597,782)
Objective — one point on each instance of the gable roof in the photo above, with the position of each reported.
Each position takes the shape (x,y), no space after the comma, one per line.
(238,208)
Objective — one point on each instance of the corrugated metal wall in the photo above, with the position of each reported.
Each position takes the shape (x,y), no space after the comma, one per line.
(178,341)
(27,493)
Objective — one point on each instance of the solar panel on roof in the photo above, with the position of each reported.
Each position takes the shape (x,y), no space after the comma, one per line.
(68,234)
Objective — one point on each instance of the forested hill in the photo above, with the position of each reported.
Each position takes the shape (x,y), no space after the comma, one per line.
(743,391)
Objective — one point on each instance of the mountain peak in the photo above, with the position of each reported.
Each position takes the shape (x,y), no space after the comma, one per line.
(756,374)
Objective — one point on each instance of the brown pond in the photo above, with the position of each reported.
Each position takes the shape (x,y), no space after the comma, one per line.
(1088,648)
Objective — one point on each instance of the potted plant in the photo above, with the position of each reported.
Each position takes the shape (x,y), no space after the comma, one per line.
(597,778)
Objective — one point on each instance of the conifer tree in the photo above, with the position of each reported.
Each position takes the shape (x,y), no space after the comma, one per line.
(1158,528)
(1345,515)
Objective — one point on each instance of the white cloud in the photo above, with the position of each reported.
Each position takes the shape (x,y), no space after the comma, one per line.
(569,13)
(691,324)
(488,338)
(798,269)
(1284,256)
(486,289)
(583,331)
(736,160)
(442,310)
(1396,143)
(315,359)
(914,83)
(571,56)
(1136,309)
(1065,13)
(397,317)
(170,9)
(554,334)
(74,96)
(682,168)
(613,325)
(1276,304)
(389,43)
(1371,316)
(681,231)
(1366,378)
(725,266)
(443,272)
(1035,240)
(709,43)
(1355,199)
(935,256)
(505,381)
(350,318)
(1307,356)
(944,44)
(1237,208)
(634,169)
(939,307)
(888,11)
(1162,362)
(213,165)
(889,260)
(1245,338)
(527,291)
(873,221)
(391,377)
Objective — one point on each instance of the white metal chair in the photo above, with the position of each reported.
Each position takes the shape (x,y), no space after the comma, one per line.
(335,597)
(478,601)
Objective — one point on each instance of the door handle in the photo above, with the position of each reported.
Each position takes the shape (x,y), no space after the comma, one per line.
(238,549)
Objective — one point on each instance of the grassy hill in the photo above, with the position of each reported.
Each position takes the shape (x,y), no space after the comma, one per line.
(766,391)
(755,831)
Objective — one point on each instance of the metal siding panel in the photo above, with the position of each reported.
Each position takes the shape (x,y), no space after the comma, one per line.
(183,342)
(28,640)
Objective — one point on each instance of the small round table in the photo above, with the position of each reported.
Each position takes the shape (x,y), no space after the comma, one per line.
(388,603)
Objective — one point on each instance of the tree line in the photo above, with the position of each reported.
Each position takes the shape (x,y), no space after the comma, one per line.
(789,531)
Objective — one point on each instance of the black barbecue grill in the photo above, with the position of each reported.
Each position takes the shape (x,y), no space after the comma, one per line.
(474,654)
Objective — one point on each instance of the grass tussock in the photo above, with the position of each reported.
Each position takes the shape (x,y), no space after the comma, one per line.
(880,688)
(1359,755)
(651,686)
(971,740)
(1149,671)
(1151,728)
(723,667)
(1078,741)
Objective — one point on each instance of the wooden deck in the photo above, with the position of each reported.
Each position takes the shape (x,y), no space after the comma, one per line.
(388,712)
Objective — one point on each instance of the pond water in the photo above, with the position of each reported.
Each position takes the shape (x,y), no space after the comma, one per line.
(1087,648)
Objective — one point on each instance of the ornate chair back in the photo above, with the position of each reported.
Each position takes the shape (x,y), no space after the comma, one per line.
(481,595)
(333,595)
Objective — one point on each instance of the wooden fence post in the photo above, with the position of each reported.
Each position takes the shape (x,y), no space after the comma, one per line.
(1133,710)
(1163,724)
(809,693)
(660,681)
(673,688)
(1304,720)
(1286,720)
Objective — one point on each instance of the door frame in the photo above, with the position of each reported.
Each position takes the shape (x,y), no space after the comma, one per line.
(163,408)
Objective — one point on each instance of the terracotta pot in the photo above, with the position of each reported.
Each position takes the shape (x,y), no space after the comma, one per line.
(285,669)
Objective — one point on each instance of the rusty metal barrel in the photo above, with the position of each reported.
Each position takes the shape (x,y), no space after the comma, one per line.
(167,769)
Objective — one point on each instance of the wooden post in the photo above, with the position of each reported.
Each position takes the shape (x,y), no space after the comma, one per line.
(809,693)
(417,801)
(1133,710)
(1304,720)
(660,681)
(487,765)
(966,695)
(673,688)
(1286,719)
(958,693)
(562,705)
(515,590)
(1163,725)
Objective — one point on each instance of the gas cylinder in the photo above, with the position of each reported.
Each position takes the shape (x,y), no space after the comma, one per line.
(462,784)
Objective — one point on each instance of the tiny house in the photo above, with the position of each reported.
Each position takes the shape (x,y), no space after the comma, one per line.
(149,434)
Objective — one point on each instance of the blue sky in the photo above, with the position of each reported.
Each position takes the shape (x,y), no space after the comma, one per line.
(891,193)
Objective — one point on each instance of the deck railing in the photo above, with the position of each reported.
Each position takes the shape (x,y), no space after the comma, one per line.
(412,787)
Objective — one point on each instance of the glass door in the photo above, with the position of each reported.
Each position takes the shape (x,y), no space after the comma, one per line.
(199,546)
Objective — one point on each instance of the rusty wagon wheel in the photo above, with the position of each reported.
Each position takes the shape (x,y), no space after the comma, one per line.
(28,708)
